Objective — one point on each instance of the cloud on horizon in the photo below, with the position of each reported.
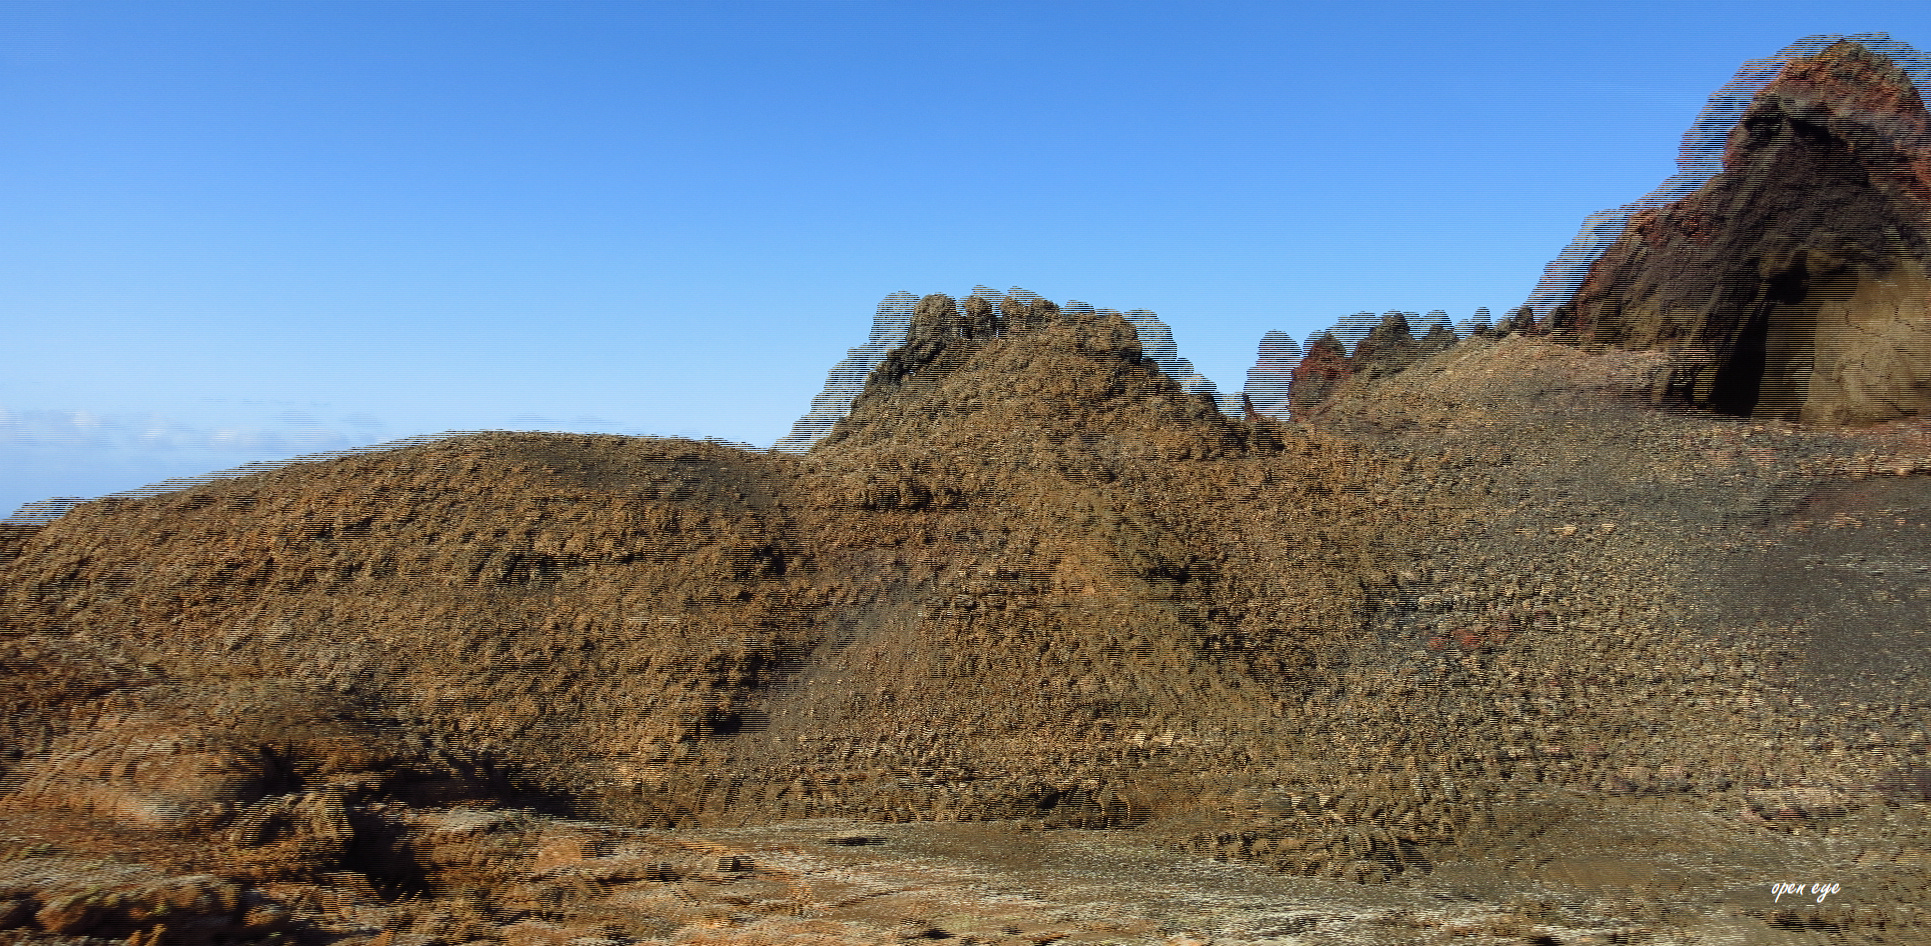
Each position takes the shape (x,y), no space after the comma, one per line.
(126,435)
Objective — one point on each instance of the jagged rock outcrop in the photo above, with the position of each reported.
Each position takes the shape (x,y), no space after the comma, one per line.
(1785,267)
(1325,366)
(1382,348)
(1786,270)
(1035,381)
(1794,284)
(1700,157)
(891,326)
(1391,346)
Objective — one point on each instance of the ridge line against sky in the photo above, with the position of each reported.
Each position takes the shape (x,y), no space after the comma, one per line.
(1701,156)
(892,323)
(1699,159)
(232,233)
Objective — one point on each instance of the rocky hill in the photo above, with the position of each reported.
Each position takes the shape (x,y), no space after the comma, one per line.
(891,326)
(1035,643)
(1029,583)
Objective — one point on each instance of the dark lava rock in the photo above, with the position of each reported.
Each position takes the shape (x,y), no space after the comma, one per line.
(1794,284)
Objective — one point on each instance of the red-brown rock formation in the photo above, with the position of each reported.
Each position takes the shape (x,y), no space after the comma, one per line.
(1325,365)
(1794,284)
(1388,348)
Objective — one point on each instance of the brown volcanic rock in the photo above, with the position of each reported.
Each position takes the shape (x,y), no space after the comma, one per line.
(1795,282)
(1062,555)
(1039,381)
(1389,348)
(1029,580)
(1029,583)
(1007,580)
(1324,367)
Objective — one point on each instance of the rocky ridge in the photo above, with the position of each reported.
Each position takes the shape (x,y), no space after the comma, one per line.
(1701,156)
(890,330)
(536,688)
(1784,270)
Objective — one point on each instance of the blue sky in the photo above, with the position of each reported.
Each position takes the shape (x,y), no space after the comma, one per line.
(241,232)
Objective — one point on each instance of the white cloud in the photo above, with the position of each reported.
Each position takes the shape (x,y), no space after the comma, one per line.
(126,435)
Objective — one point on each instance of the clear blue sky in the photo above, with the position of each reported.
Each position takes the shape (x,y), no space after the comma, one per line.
(247,231)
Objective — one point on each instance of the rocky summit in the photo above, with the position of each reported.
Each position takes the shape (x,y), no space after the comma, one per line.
(1794,282)
(1488,643)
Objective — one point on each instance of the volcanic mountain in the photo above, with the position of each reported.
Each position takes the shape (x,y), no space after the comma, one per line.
(1795,282)
(1029,582)
(1019,527)
(1035,644)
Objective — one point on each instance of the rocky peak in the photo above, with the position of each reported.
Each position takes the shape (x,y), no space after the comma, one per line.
(1846,112)
(1027,377)
(1794,283)
(1392,346)
(1325,366)
(1389,346)
(947,328)
(1845,78)
(944,331)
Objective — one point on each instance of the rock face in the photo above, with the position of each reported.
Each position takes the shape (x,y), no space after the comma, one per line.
(1323,368)
(1794,284)
(1787,269)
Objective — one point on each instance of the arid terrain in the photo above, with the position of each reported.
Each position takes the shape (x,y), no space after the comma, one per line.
(1495,650)
(1573,630)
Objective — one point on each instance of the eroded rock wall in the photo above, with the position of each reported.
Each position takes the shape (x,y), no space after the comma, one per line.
(1792,284)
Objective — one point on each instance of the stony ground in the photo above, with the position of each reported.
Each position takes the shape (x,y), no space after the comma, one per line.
(1736,609)
(1490,651)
